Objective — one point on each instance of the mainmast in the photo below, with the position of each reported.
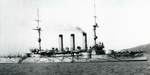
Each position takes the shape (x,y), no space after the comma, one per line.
(38,28)
(95,24)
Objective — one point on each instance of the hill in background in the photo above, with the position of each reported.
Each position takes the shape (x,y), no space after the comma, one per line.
(145,48)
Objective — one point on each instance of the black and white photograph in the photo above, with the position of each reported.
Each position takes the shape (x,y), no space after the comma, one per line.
(74,37)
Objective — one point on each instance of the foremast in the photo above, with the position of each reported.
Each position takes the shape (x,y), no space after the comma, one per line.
(38,28)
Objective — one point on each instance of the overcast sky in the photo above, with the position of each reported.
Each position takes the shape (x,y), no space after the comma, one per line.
(122,23)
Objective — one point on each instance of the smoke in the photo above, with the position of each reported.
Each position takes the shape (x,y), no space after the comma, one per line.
(81,30)
(68,28)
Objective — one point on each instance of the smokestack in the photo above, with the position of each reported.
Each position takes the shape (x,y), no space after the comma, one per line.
(73,41)
(61,42)
(85,41)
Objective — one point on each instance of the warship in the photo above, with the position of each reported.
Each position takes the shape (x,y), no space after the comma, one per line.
(95,53)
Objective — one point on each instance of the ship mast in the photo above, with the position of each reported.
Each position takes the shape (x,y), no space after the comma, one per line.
(95,24)
(38,28)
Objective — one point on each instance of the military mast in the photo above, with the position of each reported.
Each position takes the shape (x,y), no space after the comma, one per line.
(38,28)
(95,24)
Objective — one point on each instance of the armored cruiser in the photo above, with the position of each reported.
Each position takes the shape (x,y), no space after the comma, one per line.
(94,53)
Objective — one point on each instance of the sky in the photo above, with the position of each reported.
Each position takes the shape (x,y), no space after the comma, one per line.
(122,23)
